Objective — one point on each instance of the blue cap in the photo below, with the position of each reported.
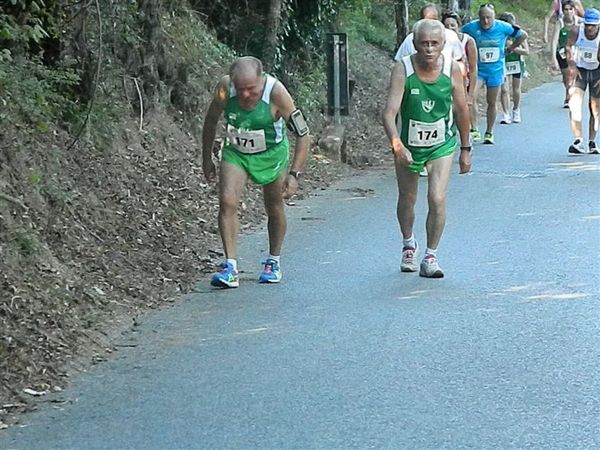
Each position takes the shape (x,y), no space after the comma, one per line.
(591,17)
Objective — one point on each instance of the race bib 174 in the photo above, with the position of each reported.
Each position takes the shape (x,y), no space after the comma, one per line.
(423,134)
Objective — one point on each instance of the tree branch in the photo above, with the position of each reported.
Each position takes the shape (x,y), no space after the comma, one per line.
(11,199)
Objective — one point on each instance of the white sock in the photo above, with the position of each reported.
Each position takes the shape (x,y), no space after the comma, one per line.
(411,242)
(275,258)
(431,251)
(233,263)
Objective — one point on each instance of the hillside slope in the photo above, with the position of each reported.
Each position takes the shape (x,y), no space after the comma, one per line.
(93,235)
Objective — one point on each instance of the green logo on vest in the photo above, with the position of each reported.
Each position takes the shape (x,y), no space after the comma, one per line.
(428,105)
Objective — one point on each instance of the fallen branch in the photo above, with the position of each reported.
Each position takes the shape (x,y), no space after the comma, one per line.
(141,103)
(16,201)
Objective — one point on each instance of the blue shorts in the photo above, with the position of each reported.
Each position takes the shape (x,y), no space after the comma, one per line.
(495,79)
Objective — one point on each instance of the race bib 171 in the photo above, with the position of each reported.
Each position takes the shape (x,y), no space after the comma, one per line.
(246,141)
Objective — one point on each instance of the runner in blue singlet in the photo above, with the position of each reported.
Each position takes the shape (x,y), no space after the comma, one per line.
(490,36)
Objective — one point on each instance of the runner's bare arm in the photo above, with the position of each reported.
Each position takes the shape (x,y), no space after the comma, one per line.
(284,106)
(569,51)
(392,107)
(547,18)
(209,129)
(472,58)
(554,47)
(522,49)
(461,109)
(569,46)
(518,41)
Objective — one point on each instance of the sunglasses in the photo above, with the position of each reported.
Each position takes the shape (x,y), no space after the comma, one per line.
(487,5)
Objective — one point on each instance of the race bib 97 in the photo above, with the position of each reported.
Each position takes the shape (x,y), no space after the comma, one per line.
(423,134)
(246,141)
(489,54)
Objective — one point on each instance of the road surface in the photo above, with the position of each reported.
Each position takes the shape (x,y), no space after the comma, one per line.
(347,352)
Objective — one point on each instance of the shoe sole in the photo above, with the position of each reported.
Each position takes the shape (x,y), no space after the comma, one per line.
(574,151)
(488,142)
(224,284)
(436,274)
(269,281)
(408,269)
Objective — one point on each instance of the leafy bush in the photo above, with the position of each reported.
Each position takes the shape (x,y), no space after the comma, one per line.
(33,92)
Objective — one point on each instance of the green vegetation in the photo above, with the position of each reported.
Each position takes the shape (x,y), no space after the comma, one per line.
(32,93)
(80,88)
(27,243)
(378,29)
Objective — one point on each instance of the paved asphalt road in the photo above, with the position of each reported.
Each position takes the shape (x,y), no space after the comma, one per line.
(349,353)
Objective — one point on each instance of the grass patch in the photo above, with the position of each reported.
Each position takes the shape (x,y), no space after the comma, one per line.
(26,243)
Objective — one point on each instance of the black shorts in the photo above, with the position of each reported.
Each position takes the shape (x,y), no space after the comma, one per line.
(562,62)
(588,78)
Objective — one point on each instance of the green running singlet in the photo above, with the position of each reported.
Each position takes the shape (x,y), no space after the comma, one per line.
(427,124)
(255,142)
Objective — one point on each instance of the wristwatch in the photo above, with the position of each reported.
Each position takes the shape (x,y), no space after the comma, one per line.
(296,174)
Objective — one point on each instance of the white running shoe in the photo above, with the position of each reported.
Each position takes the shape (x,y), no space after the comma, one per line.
(516,116)
(505,119)
(577,147)
(430,268)
(408,259)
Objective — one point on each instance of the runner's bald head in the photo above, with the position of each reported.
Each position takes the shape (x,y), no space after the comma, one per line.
(246,65)
(424,29)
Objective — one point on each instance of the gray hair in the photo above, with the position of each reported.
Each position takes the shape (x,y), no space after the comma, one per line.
(246,64)
(429,6)
(508,17)
(429,25)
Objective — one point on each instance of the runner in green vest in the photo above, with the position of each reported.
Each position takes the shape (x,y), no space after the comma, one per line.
(514,69)
(559,41)
(425,88)
(256,109)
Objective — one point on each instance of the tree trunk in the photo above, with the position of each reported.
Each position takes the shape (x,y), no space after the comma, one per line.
(270,56)
(82,53)
(401,8)
(452,5)
(151,52)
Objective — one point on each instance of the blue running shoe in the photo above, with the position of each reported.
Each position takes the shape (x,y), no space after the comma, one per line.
(272,272)
(226,276)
